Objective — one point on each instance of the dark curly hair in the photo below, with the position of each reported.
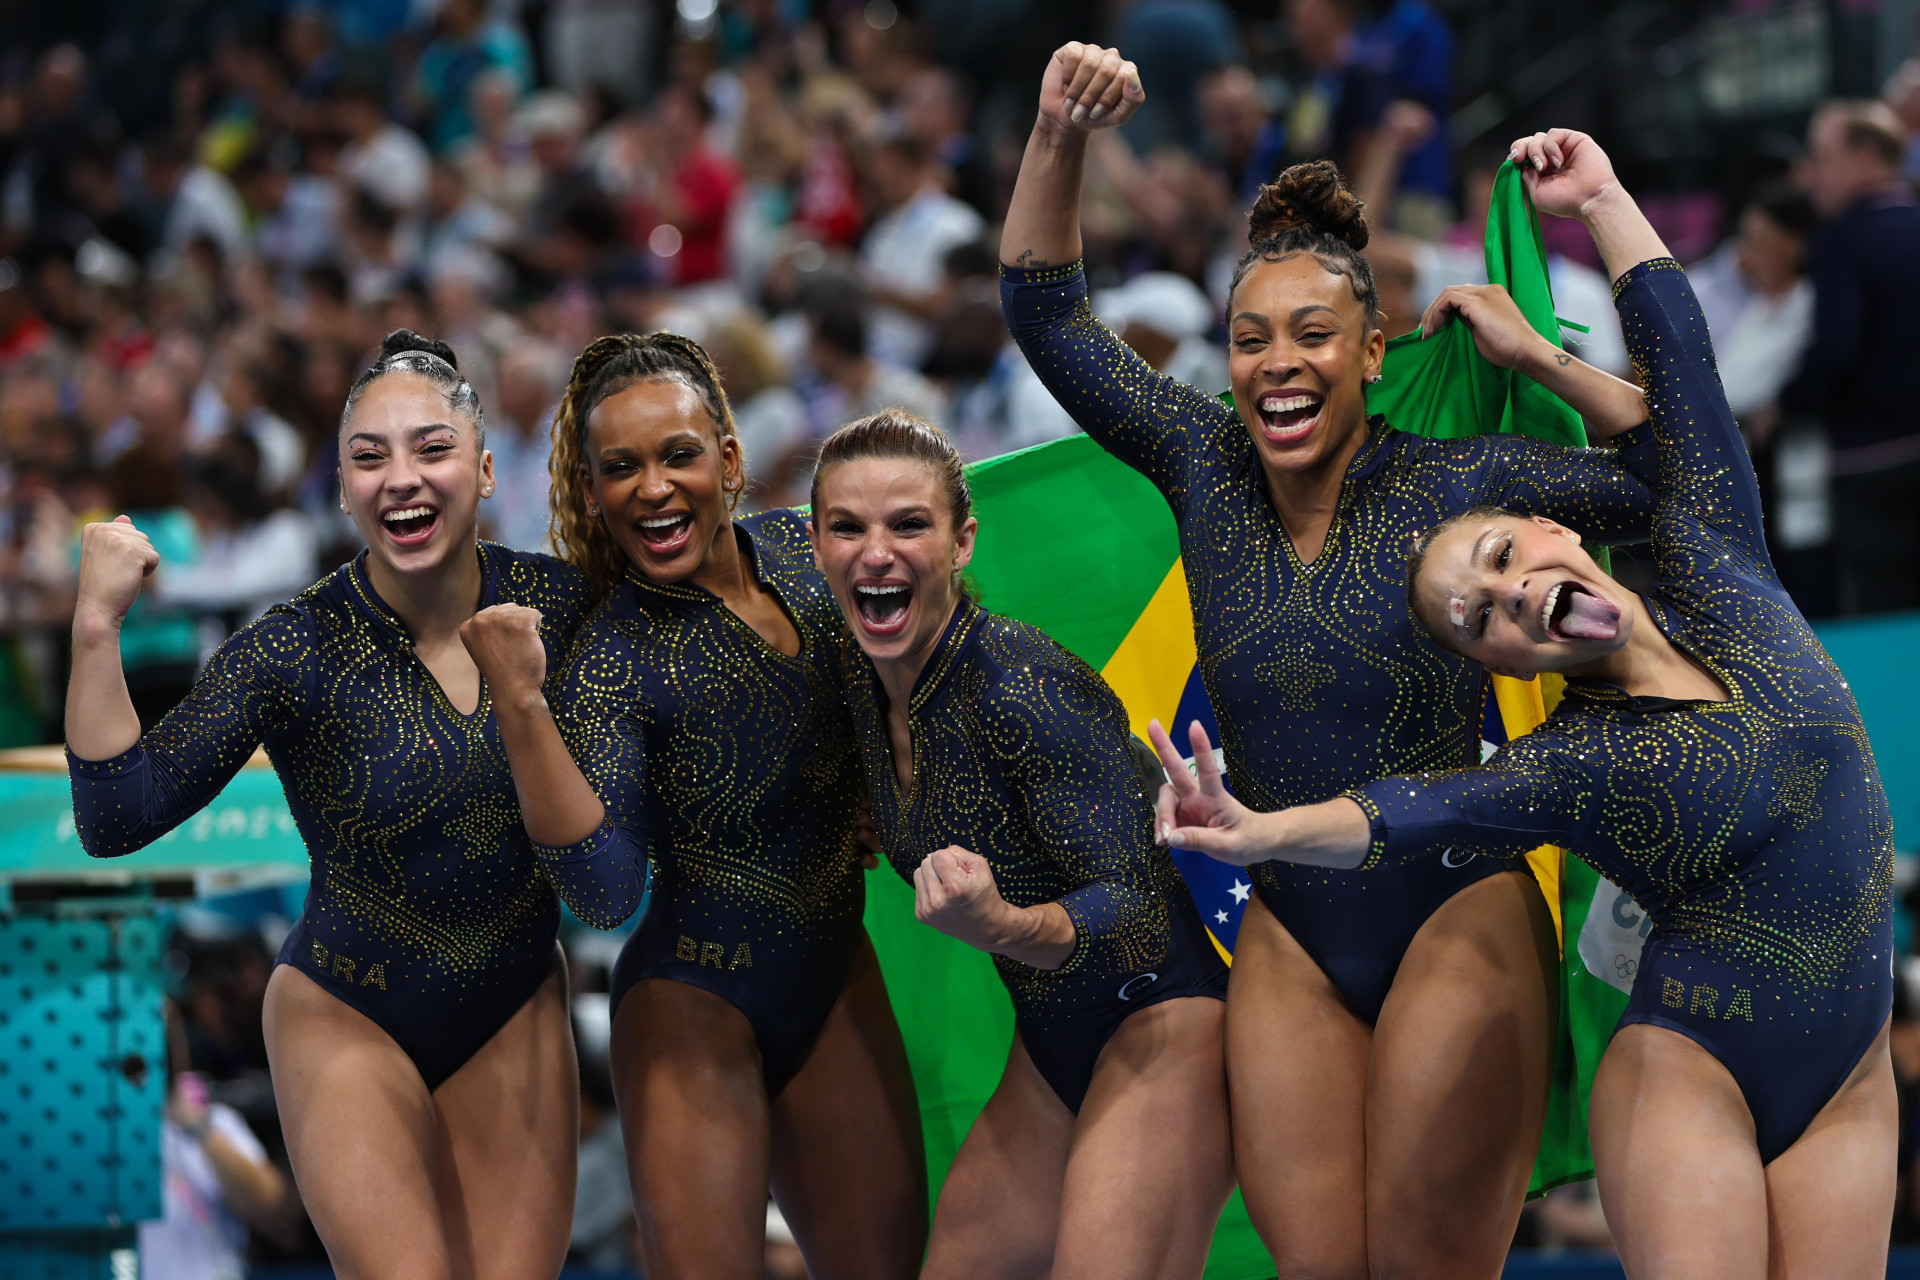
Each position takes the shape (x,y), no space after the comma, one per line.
(1308,209)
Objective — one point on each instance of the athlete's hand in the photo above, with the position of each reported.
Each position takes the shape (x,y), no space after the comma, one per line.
(504,641)
(1196,812)
(1087,87)
(1500,333)
(1566,172)
(954,891)
(115,561)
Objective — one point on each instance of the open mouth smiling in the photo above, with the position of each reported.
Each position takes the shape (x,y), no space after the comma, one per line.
(665,534)
(1287,417)
(411,525)
(882,606)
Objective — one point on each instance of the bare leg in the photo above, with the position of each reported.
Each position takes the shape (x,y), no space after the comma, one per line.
(693,1111)
(1297,1071)
(510,1144)
(1830,1195)
(1679,1172)
(1462,1063)
(849,1170)
(1152,1159)
(1000,1206)
(362,1134)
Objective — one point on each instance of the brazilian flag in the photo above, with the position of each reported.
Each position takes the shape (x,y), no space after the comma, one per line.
(1080,545)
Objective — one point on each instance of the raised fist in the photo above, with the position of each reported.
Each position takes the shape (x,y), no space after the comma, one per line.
(115,561)
(1087,87)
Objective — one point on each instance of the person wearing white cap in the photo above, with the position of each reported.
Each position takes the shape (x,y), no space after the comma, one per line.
(1165,318)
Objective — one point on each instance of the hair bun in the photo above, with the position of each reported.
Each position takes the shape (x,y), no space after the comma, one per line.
(1311,198)
(401,341)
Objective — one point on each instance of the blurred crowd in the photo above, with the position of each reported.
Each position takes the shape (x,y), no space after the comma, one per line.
(210,212)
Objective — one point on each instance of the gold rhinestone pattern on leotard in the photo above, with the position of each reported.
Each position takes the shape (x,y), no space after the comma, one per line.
(735,760)
(1021,754)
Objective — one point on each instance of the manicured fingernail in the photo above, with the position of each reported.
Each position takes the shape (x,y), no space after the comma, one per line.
(1099,109)
(1079,113)
(1539,162)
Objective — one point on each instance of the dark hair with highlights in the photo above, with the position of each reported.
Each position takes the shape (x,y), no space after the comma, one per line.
(1423,542)
(608,366)
(1308,209)
(404,351)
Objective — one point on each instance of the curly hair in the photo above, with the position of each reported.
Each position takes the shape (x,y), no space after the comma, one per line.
(1308,209)
(610,365)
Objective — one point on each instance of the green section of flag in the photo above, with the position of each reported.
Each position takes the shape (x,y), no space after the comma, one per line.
(1071,540)
(1442,387)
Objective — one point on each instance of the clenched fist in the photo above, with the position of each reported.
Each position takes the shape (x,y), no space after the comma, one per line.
(115,561)
(1088,87)
(504,642)
(954,891)
(1565,171)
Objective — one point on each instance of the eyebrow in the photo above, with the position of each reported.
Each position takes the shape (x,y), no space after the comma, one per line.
(412,433)
(1254,316)
(1312,307)
(1479,553)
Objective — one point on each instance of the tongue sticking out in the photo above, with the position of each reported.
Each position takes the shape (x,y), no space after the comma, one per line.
(1585,616)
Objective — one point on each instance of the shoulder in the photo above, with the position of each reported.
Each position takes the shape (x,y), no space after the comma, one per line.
(1026,675)
(782,530)
(543,582)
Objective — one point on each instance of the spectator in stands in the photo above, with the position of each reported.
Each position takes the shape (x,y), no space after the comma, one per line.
(903,259)
(253,553)
(532,374)
(861,384)
(1341,104)
(1411,46)
(467,44)
(1244,136)
(381,158)
(935,112)
(1176,44)
(684,188)
(768,414)
(216,1182)
(1859,376)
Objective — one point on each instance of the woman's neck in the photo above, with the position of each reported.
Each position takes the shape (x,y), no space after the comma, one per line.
(899,675)
(725,571)
(1649,665)
(1306,501)
(432,605)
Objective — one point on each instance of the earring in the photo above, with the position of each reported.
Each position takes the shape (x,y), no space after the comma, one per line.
(592,510)
(1375,378)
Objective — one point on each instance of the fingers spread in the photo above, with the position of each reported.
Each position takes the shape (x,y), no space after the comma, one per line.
(1206,769)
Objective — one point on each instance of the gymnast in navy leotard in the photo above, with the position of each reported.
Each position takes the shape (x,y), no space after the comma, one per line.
(1005,787)
(429,911)
(699,725)
(1708,757)
(1294,511)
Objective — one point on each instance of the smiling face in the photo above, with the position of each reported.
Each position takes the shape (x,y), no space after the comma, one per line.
(1300,349)
(885,537)
(412,474)
(1518,595)
(661,474)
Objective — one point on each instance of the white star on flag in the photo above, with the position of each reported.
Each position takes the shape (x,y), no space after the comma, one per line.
(1240,890)
(1221,916)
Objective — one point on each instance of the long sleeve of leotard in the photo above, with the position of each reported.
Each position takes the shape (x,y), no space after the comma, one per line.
(1149,421)
(1704,473)
(255,685)
(1061,736)
(596,704)
(1600,492)
(1529,794)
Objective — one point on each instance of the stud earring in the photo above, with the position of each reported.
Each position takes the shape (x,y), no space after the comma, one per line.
(1375,378)
(593,510)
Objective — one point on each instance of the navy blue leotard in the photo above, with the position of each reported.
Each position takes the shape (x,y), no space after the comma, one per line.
(1319,677)
(731,767)
(1021,755)
(428,910)
(1753,832)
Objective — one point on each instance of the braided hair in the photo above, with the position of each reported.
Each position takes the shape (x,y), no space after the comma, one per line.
(608,366)
(1308,209)
(404,351)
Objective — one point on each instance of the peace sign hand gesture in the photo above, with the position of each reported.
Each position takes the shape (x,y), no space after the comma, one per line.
(1196,812)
